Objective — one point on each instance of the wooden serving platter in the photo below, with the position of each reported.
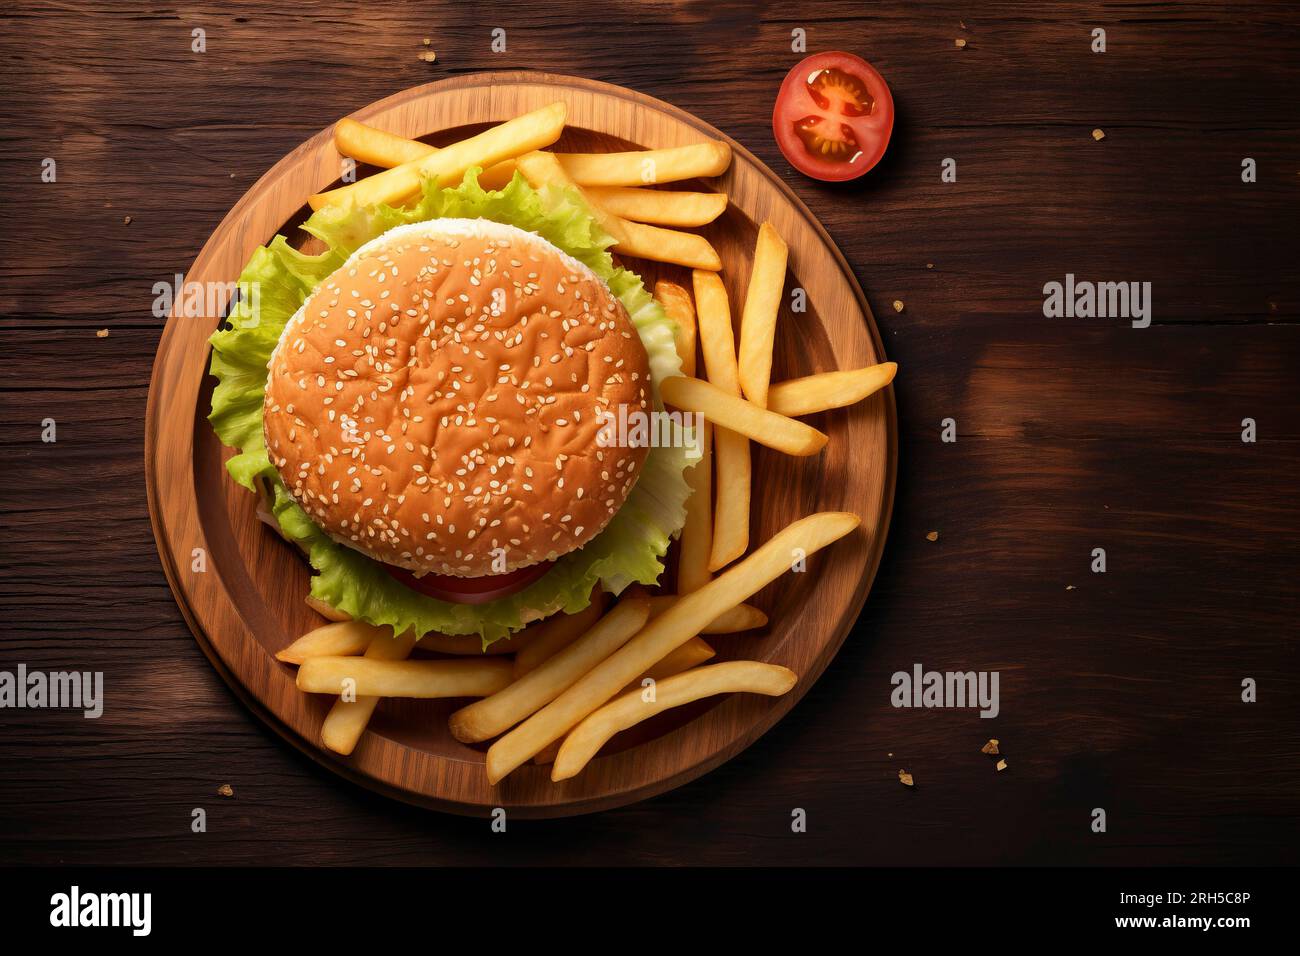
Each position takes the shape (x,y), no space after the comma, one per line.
(247,601)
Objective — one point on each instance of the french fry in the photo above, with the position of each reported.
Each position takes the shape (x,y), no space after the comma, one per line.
(510,139)
(648,167)
(668,245)
(556,633)
(758,319)
(324,610)
(660,207)
(731,512)
(742,617)
(677,625)
(472,677)
(378,148)
(692,653)
(728,412)
(487,718)
(730,450)
(696,540)
(817,393)
(593,732)
(341,639)
(347,719)
(717,340)
(678,306)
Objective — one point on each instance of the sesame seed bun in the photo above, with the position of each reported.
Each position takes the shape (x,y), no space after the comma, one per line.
(434,404)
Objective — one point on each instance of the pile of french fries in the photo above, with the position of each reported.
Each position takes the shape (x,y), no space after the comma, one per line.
(557,691)
(614,184)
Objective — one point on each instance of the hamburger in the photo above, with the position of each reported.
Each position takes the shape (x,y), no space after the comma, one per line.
(435,404)
(429,420)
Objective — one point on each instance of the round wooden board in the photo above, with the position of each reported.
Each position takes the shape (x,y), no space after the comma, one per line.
(248,601)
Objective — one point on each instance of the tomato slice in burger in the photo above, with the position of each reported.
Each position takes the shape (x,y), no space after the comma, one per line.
(833,116)
(479,590)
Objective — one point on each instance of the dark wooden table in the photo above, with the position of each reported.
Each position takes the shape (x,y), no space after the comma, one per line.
(1119,690)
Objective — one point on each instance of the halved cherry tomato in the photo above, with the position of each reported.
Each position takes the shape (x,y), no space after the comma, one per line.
(833,116)
(479,590)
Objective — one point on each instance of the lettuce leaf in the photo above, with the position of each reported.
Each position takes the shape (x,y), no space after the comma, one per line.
(628,550)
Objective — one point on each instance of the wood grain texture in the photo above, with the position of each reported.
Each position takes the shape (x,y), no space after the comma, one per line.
(1073,433)
(247,604)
